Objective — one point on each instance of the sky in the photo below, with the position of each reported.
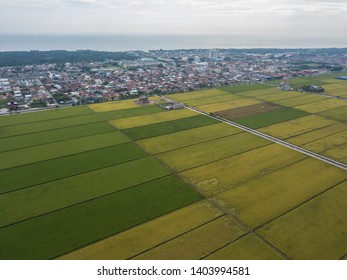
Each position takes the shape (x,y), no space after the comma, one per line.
(316,18)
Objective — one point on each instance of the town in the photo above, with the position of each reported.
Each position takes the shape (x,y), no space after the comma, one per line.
(157,72)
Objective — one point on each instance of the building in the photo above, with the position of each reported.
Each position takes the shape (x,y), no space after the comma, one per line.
(213,54)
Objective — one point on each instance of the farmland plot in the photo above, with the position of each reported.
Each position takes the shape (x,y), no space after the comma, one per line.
(49,136)
(33,127)
(131,112)
(262,200)
(118,105)
(338,153)
(59,149)
(258,93)
(244,88)
(303,98)
(248,247)
(339,114)
(158,129)
(206,152)
(322,220)
(187,137)
(44,115)
(152,118)
(213,235)
(136,240)
(225,174)
(297,126)
(327,143)
(322,105)
(58,168)
(54,234)
(200,94)
(317,134)
(232,102)
(30,202)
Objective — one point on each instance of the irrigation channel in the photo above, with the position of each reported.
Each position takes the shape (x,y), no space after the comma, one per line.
(265,136)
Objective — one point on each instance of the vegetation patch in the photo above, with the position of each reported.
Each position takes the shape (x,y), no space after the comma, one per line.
(153,118)
(49,136)
(136,240)
(339,114)
(34,201)
(296,126)
(59,149)
(44,115)
(12,130)
(246,111)
(153,130)
(57,233)
(131,112)
(187,137)
(197,94)
(304,98)
(213,235)
(118,105)
(206,152)
(244,88)
(322,105)
(248,247)
(271,117)
(58,168)
(319,221)
(262,200)
(221,175)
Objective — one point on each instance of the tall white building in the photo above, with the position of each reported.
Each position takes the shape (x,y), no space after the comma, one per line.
(213,53)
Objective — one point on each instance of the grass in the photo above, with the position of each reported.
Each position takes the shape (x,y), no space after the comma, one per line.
(59,149)
(52,235)
(49,136)
(212,235)
(225,174)
(248,247)
(315,230)
(270,118)
(59,168)
(189,137)
(43,115)
(131,112)
(152,118)
(260,201)
(154,130)
(13,130)
(148,235)
(206,152)
(296,126)
(30,202)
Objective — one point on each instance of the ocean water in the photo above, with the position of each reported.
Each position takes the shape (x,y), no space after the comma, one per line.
(17,42)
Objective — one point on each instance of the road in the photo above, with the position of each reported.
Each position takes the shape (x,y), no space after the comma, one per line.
(268,137)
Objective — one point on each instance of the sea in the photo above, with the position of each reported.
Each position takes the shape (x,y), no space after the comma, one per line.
(132,42)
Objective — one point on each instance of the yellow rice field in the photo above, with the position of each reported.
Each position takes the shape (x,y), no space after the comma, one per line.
(187,137)
(297,126)
(315,230)
(225,174)
(214,107)
(211,100)
(198,94)
(272,195)
(117,105)
(152,118)
(143,237)
(317,134)
(300,99)
(260,92)
(212,236)
(338,153)
(328,142)
(206,152)
(322,105)
(248,247)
